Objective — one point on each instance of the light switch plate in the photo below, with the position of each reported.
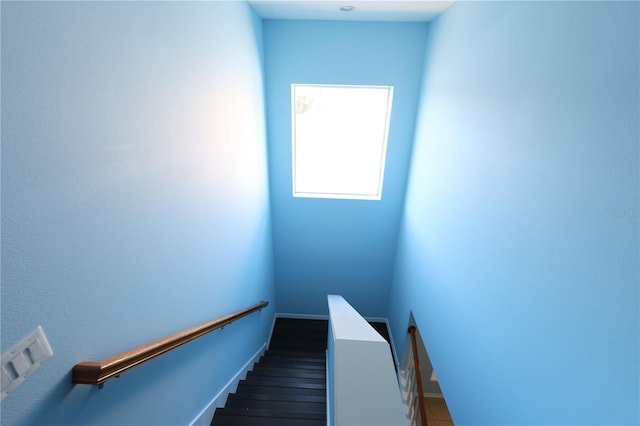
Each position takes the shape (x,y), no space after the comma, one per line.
(23,359)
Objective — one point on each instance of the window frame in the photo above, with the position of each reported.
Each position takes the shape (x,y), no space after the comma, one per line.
(342,195)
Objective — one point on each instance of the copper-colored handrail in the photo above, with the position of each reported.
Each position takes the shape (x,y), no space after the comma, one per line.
(416,361)
(96,373)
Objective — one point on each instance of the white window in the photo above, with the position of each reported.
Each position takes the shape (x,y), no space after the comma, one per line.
(339,140)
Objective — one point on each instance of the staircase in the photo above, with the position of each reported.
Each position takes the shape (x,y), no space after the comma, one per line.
(287,387)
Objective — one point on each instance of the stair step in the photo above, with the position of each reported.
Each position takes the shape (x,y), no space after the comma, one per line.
(292,396)
(285,382)
(312,362)
(302,349)
(313,338)
(293,359)
(251,405)
(301,373)
(316,356)
(223,418)
(268,413)
(278,362)
(251,388)
(314,350)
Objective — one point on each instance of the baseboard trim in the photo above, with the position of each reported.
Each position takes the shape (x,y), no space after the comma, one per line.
(273,326)
(205,417)
(393,346)
(375,319)
(301,316)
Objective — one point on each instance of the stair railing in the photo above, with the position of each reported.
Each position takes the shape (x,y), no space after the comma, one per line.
(96,373)
(417,410)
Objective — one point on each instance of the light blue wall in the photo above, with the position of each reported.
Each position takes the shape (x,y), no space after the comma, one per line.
(519,247)
(326,246)
(134,200)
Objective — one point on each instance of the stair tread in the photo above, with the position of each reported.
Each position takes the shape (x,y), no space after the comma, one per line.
(292,396)
(315,356)
(224,419)
(295,359)
(258,412)
(277,406)
(286,382)
(287,372)
(319,336)
(257,375)
(245,388)
(292,364)
(314,342)
(300,349)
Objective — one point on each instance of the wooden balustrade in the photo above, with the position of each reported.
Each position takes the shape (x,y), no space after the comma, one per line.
(416,360)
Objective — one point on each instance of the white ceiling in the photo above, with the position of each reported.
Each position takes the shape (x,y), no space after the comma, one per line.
(366,10)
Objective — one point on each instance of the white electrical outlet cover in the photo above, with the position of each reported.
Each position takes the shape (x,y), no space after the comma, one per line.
(23,359)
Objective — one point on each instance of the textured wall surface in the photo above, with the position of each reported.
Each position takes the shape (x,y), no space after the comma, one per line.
(134,200)
(519,248)
(324,246)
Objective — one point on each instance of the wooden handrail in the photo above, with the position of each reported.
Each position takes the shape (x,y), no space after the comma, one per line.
(416,361)
(96,373)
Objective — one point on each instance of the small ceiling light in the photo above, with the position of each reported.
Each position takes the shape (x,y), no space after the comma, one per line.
(347,8)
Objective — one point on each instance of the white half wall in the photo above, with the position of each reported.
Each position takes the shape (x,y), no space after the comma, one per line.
(363,389)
